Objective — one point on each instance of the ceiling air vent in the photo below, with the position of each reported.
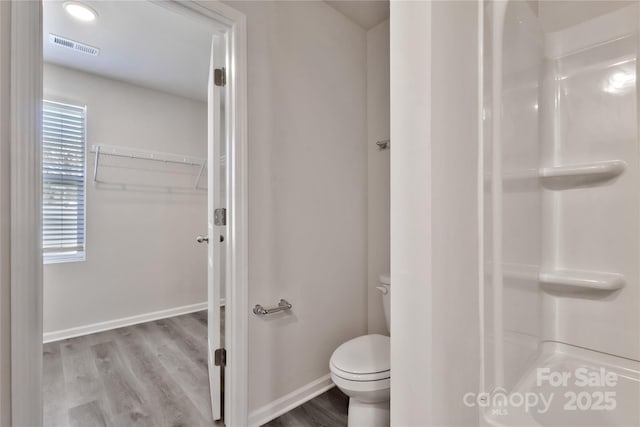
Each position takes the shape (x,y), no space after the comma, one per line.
(70,44)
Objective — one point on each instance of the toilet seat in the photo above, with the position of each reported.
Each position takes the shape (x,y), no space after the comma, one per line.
(365,358)
(360,377)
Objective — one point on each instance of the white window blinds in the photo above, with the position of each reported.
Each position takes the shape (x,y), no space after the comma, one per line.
(63,178)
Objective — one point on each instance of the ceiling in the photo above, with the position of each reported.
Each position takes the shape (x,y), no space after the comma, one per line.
(147,44)
(161,49)
(365,13)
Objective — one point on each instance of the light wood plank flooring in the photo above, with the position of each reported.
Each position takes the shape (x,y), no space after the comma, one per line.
(151,374)
(327,410)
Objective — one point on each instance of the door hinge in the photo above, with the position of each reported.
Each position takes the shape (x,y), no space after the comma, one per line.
(220,357)
(220,76)
(220,216)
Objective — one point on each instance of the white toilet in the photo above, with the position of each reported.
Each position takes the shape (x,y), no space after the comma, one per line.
(360,368)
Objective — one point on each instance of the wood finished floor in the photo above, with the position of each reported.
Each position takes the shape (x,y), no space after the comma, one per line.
(151,374)
(327,410)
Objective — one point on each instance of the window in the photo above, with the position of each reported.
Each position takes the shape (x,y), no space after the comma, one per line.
(63,182)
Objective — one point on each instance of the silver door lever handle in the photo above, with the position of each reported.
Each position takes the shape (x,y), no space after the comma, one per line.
(201,239)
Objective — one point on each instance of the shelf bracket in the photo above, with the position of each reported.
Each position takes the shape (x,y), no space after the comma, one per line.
(204,163)
(95,164)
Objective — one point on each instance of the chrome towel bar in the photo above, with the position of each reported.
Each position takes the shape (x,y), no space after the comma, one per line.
(283,305)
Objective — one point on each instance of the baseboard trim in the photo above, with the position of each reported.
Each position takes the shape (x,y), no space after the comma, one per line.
(292,400)
(119,323)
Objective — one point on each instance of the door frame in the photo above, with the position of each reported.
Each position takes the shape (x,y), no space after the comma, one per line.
(21,199)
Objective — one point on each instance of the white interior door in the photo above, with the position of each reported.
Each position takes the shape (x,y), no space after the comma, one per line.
(215,201)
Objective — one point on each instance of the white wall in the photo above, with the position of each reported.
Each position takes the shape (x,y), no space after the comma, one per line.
(454,139)
(435,345)
(307,190)
(411,247)
(141,252)
(378,162)
(5,224)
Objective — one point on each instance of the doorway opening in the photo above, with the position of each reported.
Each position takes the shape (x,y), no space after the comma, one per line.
(138,144)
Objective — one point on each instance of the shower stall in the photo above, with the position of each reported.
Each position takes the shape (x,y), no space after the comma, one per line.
(560,213)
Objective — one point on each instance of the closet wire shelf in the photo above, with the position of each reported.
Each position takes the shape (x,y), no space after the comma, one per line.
(158,156)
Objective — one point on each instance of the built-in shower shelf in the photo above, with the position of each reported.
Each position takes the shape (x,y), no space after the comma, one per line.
(577,280)
(583,174)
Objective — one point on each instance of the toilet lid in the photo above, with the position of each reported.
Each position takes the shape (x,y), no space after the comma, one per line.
(367,354)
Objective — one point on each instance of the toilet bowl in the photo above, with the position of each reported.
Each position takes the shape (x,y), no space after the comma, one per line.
(361,369)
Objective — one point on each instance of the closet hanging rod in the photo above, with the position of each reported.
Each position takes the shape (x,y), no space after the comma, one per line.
(158,156)
(112,150)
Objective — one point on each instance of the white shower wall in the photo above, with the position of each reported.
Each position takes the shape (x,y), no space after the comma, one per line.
(562,210)
(596,227)
(521,198)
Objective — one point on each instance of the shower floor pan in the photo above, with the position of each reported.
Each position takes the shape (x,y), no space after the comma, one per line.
(570,386)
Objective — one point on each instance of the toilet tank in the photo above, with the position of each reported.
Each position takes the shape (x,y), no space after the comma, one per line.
(385,289)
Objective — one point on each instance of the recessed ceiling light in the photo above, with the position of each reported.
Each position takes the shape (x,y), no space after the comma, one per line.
(80,11)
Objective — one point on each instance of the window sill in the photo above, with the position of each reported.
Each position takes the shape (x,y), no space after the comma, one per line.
(63,258)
